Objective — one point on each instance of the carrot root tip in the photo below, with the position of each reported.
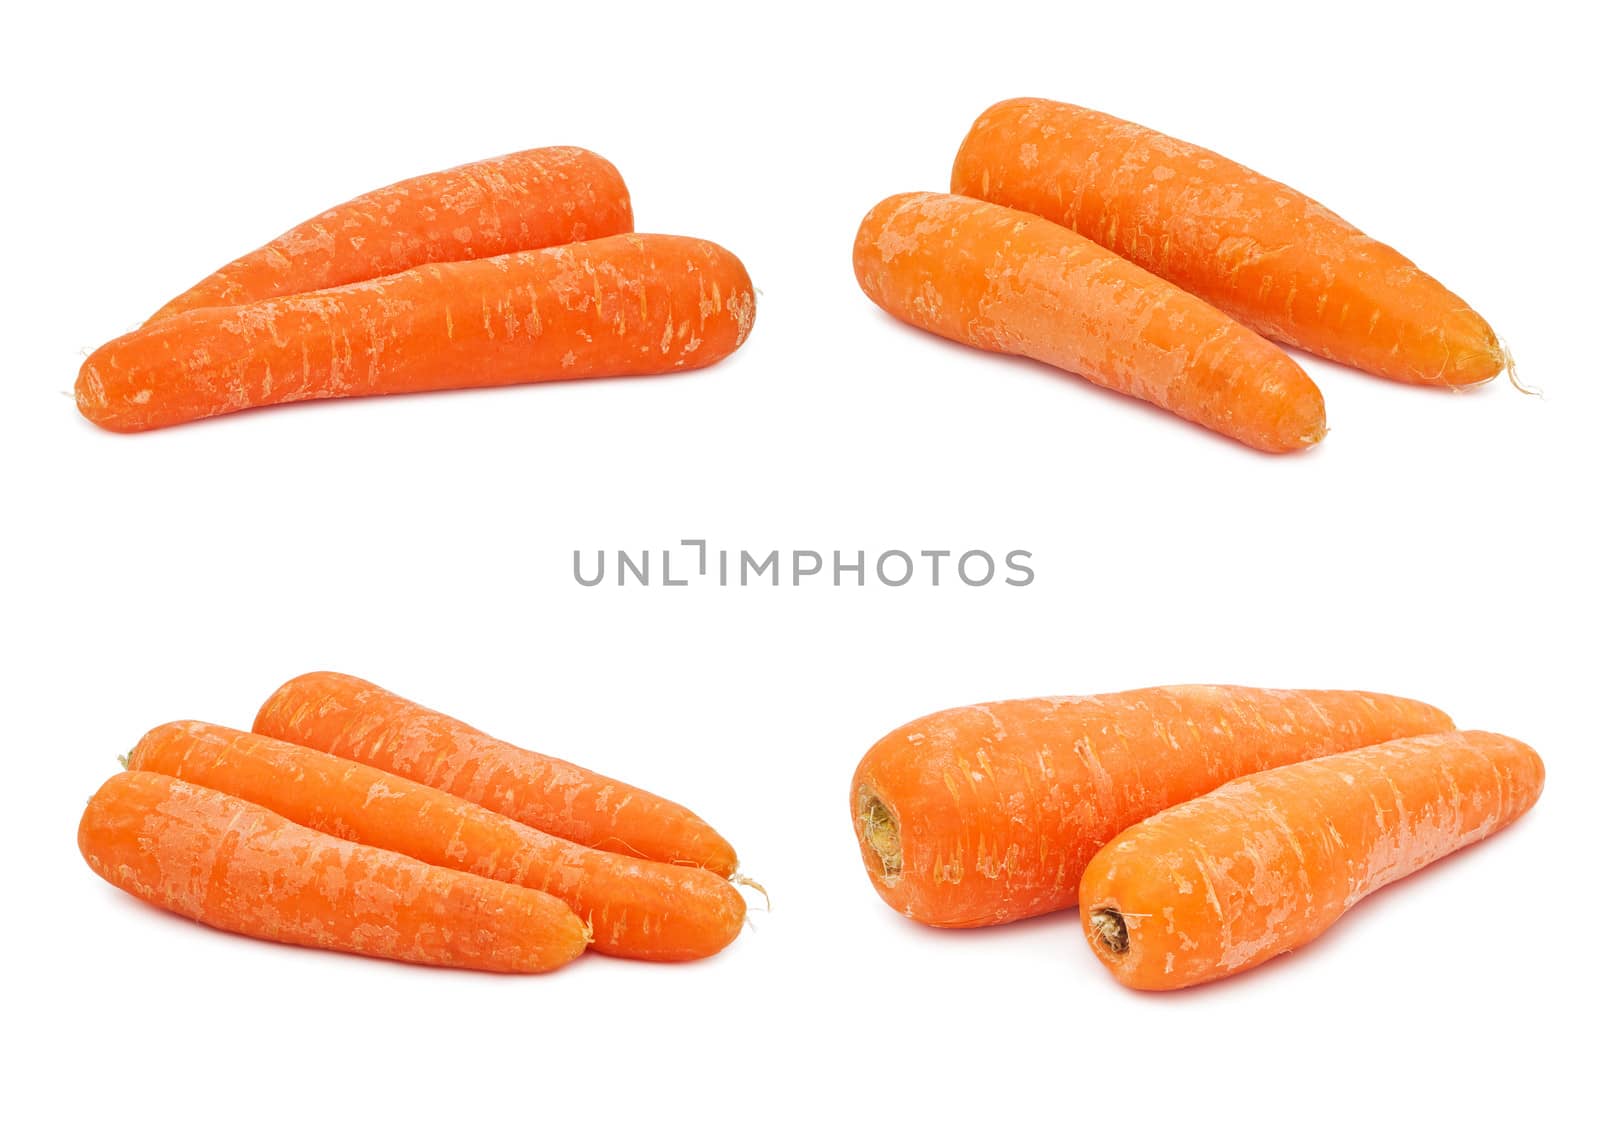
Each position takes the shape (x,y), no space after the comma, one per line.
(880,830)
(1511,374)
(745,882)
(1110,930)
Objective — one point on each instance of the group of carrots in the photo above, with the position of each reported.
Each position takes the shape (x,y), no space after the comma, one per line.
(1160,270)
(1150,266)
(354,820)
(519,269)
(1200,829)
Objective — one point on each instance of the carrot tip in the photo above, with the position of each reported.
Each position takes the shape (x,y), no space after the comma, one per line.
(880,831)
(745,882)
(1511,374)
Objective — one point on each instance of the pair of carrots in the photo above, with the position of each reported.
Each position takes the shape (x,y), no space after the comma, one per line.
(355,820)
(1160,270)
(518,269)
(1201,829)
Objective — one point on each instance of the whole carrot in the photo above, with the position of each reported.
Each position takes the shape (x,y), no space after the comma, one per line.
(1007,281)
(1256,249)
(520,201)
(239,867)
(355,719)
(636,909)
(1267,863)
(627,305)
(986,814)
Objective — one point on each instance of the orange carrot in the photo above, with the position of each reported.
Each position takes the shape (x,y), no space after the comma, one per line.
(636,909)
(1265,864)
(236,866)
(1007,281)
(628,305)
(982,815)
(1258,250)
(355,719)
(521,201)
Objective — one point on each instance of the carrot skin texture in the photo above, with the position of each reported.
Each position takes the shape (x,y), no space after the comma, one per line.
(238,867)
(520,201)
(636,909)
(1264,864)
(629,305)
(355,719)
(996,809)
(1006,281)
(1260,251)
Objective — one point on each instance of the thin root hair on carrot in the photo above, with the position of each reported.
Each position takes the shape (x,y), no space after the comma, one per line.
(743,881)
(1511,374)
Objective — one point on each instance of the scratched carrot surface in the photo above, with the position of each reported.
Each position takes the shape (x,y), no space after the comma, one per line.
(357,720)
(1258,250)
(626,305)
(981,815)
(1265,864)
(241,868)
(1007,281)
(520,201)
(635,908)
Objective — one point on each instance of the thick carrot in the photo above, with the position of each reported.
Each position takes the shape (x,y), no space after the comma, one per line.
(521,201)
(628,305)
(1265,864)
(239,867)
(1007,281)
(636,909)
(355,719)
(1256,249)
(982,815)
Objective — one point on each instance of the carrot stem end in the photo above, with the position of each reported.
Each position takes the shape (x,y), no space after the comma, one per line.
(880,831)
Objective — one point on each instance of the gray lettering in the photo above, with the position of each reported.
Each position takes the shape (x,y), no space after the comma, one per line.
(936,554)
(577,569)
(883,576)
(625,564)
(799,572)
(961,568)
(746,560)
(1011,562)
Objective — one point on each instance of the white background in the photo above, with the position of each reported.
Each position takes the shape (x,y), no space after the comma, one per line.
(1437,545)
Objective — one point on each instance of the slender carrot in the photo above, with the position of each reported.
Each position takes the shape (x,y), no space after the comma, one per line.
(636,909)
(520,201)
(236,866)
(1258,250)
(1267,863)
(982,815)
(1007,281)
(355,719)
(627,305)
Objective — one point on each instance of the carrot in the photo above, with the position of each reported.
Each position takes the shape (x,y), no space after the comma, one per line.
(521,201)
(355,719)
(982,815)
(626,305)
(1258,250)
(1265,864)
(635,909)
(1007,281)
(235,866)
